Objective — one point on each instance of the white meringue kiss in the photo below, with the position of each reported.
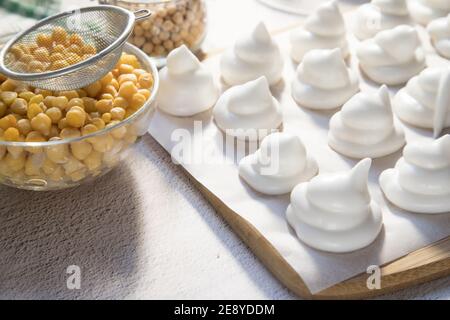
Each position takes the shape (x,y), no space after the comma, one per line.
(425,101)
(323,81)
(420,181)
(186,87)
(439,31)
(393,56)
(379,15)
(248,111)
(251,57)
(324,29)
(278,165)
(334,212)
(424,11)
(365,127)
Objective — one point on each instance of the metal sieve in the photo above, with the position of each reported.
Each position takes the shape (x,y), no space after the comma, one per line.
(102,28)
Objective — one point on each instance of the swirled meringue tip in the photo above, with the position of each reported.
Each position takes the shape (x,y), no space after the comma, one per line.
(252,56)
(278,165)
(365,127)
(393,56)
(439,31)
(334,212)
(424,11)
(323,80)
(379,15)
(186,87)
(424,100)
(420,181)
(324,29)
(248,111)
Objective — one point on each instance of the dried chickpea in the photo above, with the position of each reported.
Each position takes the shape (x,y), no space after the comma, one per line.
(54,114)
(33,110)
(81,149)
(24,126)
(19,106)
(127,89)
(42,123)
(104,105)
(117,113)
(76,117)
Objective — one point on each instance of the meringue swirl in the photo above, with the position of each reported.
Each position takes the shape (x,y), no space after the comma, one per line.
(334,212)
(425,101)
(379,15)
(365,127)
(420,181)
(324,29)
(323,81)
(424,11)
(251,57)
(278,165)
(393,56)
(439,31)
(186,87)
(248,111)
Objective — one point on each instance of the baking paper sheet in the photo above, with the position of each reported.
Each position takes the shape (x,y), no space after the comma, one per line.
(216,169)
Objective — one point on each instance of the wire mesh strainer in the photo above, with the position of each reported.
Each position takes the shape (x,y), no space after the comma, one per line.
(95,34)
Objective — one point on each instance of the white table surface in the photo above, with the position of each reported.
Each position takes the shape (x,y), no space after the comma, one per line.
(142,231)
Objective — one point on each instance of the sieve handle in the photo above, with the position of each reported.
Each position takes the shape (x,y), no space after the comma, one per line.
(142,14)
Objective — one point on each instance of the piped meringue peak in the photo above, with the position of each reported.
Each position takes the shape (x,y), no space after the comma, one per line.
(425,100)
(253,56)
(365,127)
(323,80)
(439,31)
(420,181)
(334,212)
(378,15)
(423,11)
(248,111)
(393,56)
(186,87)
(324,29)
(278,165)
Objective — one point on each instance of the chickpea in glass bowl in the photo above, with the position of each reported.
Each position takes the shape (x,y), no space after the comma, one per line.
(55,140)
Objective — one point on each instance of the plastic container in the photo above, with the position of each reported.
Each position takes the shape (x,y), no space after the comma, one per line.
(172,24)
(50,165)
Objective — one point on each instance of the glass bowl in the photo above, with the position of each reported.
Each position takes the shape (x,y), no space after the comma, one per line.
(51,165)
(172,24)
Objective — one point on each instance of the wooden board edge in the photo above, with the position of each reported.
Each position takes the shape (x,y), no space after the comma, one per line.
(396,275)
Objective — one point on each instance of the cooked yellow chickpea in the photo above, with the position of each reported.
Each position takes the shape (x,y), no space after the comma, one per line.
(75,39)
(99,123)
(60,102)
(42,54)
(54,131)
(109,89)
(36,99)
(138,72)
(81,149)
(72,58)
(93,161)
(129,59)
(3,108)
(127,77)
(27,95)
(89,49)
(16,51)
(42,123)
(115,83)
(89,104)
(54,114)
(119,133)
(19,106)
(59,35)
(34,136)
(146,80)
(58,153)
(34,163)
(49,166)
(104,105)
(57,174)
(137,101)
(93,89)
(59,48)
(33,110)
(11,134)
(69,94)
(27,58)
(117,113)
(106,96)
(24,126)
(146,93)
(102,143)
(43,92)
(129,112)
(75,49)
(8,121)
(107,79)
(75,102)
(78,175)
(44,40)
(62,123)
(127,89)
(88,129)
(125,68)
(76,117)
(56,56)
(106,117)
(15,164)
(8,97)
(120,102)
(59,64)
(72,165)
(68,133)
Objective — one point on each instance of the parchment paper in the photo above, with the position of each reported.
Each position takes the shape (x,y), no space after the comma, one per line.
(403,232)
